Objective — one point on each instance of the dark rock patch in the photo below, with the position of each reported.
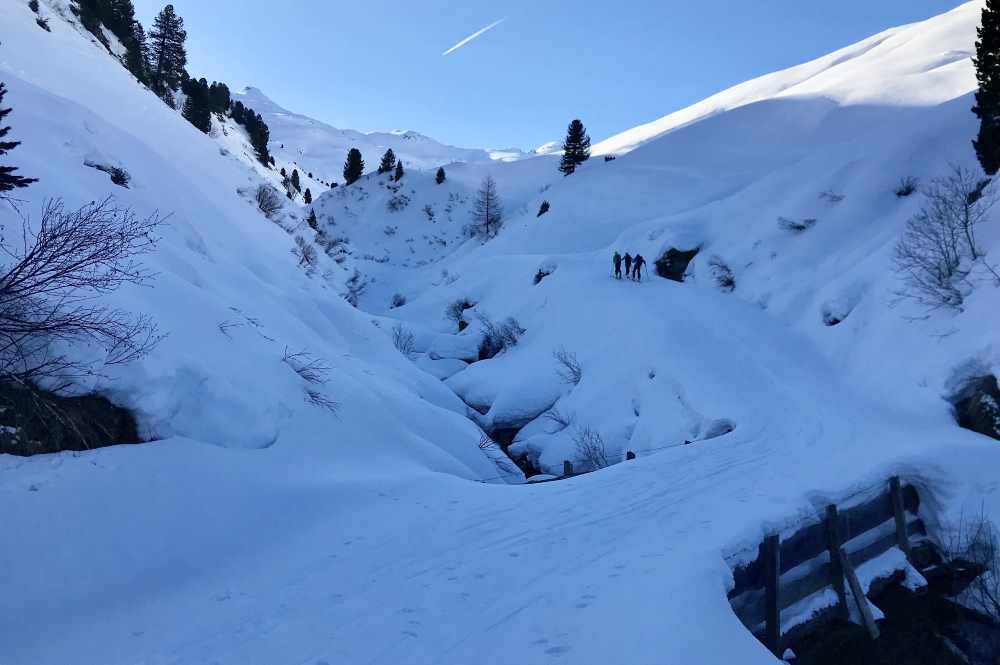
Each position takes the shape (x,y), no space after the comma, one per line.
(977,406)
(34,422)
(674,263)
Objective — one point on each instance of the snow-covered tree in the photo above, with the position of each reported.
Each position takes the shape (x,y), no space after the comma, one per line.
(399,170)
(576,148)
(311,220)
(9,180)
(168,56)
(296,183)
(197,109)
(440,177)
(307,197)
(354,167)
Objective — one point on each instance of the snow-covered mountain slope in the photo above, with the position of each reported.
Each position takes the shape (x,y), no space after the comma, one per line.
(882,70)
(264,530)
(321,149)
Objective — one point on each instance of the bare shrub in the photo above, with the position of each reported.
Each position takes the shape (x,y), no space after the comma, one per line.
(403,340)
(544,208)
(49,289)
(973,545)
(722,274)
(319,399)
(397,202)
(334,246)
(43,23)
(831,197)
(306,253)
(398,300)
(590,448)
(356,286)
(569,369)
(311,368)
(938,249)
(540,274)
(487,211)
(498,337)
(559,420)
(493,450)
(907,187)
(456,310)
(796,225)
(268,200)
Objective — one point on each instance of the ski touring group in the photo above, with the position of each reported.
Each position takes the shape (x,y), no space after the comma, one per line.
(633,266)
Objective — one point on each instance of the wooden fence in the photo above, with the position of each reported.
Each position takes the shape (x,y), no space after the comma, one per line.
(824,554)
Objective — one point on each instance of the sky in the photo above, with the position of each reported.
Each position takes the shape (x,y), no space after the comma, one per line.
(379,65)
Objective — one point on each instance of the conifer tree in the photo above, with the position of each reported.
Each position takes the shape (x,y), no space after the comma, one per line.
(354,167)
(137,56)
(9,180)
(987,106)
(399,170)
(311,220)
(196,106)
(260,135)
(487,212)
(440,177)
(295,180)
(576,148)
(283,173)
(239,112)
(219,97)
(307,197)
(388,162)
(167,54)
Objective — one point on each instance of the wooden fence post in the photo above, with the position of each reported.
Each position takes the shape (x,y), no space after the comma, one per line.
(772,610)
(859,597)
(902,538)
(833,543)
(567,468)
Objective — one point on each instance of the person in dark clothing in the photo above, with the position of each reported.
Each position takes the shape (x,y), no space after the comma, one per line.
(637,271)
(628,265)
(618,265)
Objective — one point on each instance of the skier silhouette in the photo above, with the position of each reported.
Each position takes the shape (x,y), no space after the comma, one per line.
(639,263)
(628,264)
(617,260)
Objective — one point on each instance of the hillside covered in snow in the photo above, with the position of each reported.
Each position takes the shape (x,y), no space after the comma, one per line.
(347,419)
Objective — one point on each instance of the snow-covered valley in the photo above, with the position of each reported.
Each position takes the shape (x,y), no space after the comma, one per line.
(260,524)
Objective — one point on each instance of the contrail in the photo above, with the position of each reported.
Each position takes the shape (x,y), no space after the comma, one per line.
(473,36)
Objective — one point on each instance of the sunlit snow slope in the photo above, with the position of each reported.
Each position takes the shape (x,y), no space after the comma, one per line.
(260,529)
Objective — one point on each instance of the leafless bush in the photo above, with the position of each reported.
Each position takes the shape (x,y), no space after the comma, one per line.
(50,285)
(974,544)
(356,287)
(795,225)
(398,300)
(590,448)
(334,246)
(311,368)
(498,337)
(492,450)
(318,398)
(306,253)
(268,200)
(456,310)
(403,340)
(831,197)
(569,369)
(938,249)
(907,187)
(43,23)
(397,202)
(722,274)
(559,419)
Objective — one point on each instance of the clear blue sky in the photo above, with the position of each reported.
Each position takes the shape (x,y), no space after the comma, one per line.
(377,64)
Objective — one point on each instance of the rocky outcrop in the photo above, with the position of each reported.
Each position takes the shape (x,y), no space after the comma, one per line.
(674,263)
(33,422)
(977,406)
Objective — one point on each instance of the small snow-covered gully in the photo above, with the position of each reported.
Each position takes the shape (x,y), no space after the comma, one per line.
(263,403)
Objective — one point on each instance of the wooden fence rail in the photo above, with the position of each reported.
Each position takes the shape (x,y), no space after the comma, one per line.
(824,554)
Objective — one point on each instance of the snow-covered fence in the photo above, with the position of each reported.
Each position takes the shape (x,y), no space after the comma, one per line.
(791,571)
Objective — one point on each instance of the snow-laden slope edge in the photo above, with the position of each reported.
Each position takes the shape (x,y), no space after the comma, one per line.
(327,547)
(864,73)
